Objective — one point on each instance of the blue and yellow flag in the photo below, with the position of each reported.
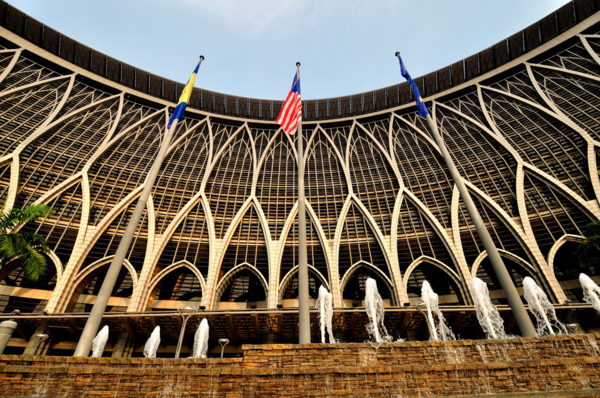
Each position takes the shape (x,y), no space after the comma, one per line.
(420,104)
(184,100)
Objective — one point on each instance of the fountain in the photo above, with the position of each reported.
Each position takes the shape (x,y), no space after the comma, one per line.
(487,313)
(438,331)
(325,307)
(591,291)
(152,343)
(542,309)
(99,342)
(375,312)
(201,340)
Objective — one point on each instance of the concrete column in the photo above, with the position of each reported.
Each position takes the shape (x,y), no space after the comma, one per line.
(120,350)
(32,346)
(6,330)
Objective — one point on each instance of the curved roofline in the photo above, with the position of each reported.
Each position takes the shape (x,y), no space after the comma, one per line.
(445,80)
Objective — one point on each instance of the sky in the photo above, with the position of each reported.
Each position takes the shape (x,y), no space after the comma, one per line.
(252,46)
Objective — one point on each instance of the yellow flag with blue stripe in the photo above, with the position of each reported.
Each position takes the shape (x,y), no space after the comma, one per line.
(184,99)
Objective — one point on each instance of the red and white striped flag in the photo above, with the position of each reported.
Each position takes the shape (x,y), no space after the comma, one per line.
(291,111)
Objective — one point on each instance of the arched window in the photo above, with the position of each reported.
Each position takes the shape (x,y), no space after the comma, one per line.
(243,285)
(179,287)
(13,284)
(517,273)
(441,282)
(567,271)
(354,290)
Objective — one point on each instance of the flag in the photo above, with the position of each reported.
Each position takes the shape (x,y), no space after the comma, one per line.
(420,104)
(184,99)
(291,111)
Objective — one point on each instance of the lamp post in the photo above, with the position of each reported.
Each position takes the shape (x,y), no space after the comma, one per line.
(223,342)
(186,313)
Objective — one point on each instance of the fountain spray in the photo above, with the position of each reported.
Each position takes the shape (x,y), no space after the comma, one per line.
(325,308)
(375,312)
(438,330)
(487,313)
(591,291)
(99,342)
(201,340)
(152,343)
(542,309)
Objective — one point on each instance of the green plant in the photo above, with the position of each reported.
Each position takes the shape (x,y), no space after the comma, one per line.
(588,252)
(26,246)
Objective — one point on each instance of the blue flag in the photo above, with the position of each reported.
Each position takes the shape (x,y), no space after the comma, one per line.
(420,104)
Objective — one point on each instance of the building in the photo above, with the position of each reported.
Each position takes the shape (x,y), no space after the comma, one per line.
(79,129)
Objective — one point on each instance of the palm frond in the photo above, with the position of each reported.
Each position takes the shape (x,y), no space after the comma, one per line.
(33,263)
(34,213)
(10,246)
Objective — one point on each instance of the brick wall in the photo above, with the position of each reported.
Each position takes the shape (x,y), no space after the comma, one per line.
(566,364)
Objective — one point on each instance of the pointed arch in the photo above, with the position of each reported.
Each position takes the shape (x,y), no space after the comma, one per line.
(374,180)
(22,71)
(131,114)
(503,234)
(379,129)
(541,139)
(242,290)
(189,243)
(326,180)
(480,157)
(567,268)
(12,274)
(444,280)
(62,150)
(358,242)
(247,244)
(520,84)
(574,94)
(89,280)
(61,228)
(423,170)
(551,213)
(276,186)
(8,58)
(107,240)
(470,106)
(518,268)
(262,137)
(181,285)
(339,138)
(316,254)
(289,283)
(181,175)
(127,159)
(358,284)
(222,132)
(24,110)
(229,183)
(417,237)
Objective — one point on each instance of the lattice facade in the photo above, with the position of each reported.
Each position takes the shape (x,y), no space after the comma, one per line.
(220,229)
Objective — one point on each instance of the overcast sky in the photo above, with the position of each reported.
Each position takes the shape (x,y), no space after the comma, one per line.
(251,46)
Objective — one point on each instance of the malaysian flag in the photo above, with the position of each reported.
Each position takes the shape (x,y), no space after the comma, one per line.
(291,111)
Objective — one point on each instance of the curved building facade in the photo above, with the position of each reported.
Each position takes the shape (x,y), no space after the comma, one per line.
(79,131)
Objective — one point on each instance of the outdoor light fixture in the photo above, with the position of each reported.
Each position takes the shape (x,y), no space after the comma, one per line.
(40,337)
(186,313)
(223,343)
